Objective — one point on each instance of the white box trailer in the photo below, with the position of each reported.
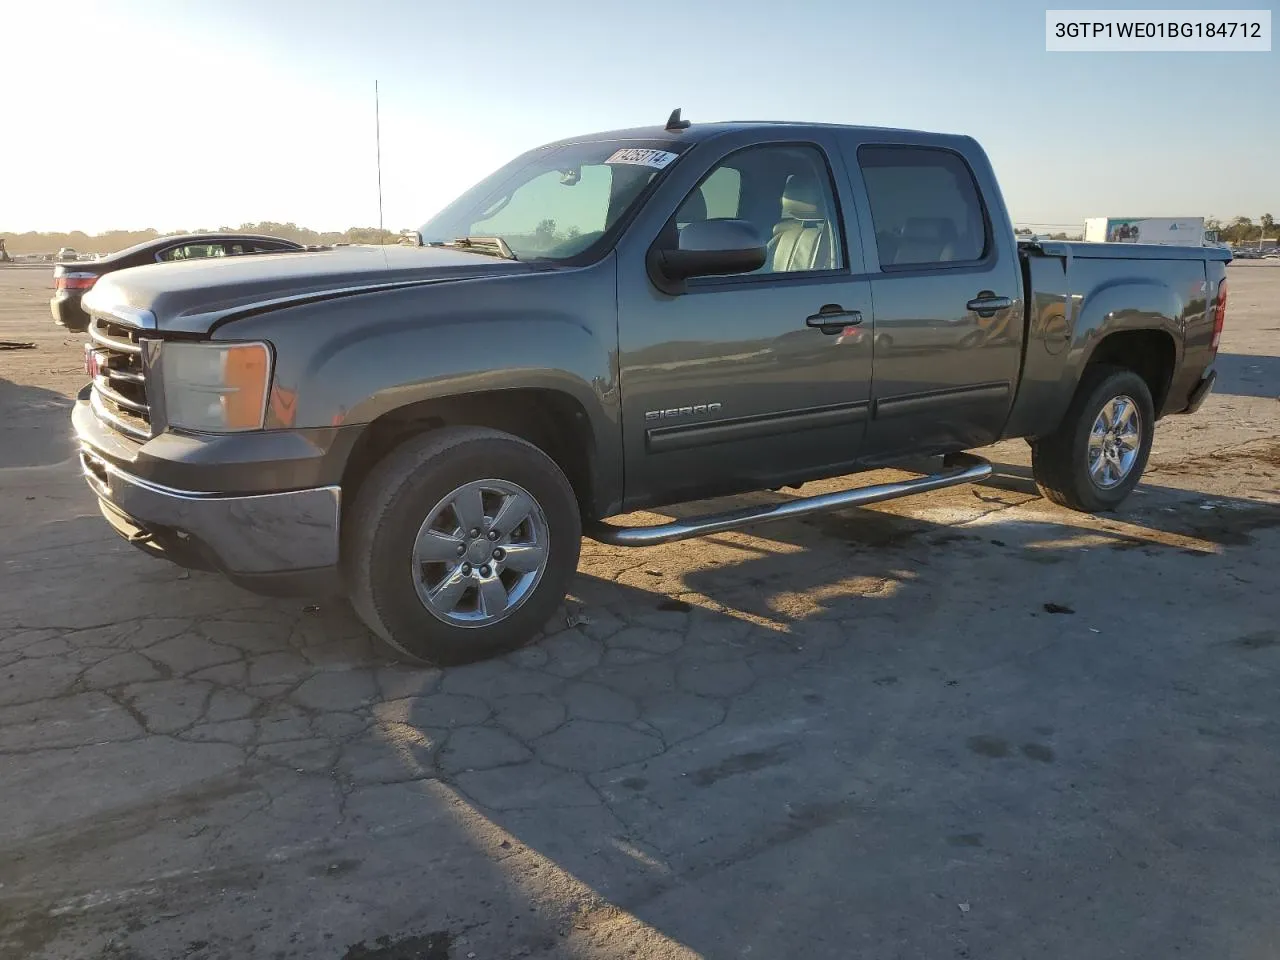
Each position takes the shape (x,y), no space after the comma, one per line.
(1178,231)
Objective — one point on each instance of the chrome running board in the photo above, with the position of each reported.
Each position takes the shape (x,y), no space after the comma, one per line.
(960,468)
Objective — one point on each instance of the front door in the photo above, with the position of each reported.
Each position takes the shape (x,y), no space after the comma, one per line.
(750,381)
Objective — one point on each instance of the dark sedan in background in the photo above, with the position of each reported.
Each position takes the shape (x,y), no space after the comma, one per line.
(71,280)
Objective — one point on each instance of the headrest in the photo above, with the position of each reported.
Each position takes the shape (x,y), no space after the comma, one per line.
(802,198)
(929,228)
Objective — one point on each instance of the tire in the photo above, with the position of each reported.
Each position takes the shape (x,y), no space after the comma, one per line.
(387,582)
(1061,461)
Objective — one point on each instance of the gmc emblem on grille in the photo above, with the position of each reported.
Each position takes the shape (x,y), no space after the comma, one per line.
(697,409)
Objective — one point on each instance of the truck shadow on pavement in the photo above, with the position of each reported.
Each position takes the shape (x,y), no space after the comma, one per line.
(1247,375)
(36,430)
(715,743)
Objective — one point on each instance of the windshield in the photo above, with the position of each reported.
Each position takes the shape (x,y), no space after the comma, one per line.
(557,203)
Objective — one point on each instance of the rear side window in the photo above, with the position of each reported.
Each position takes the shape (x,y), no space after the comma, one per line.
(193,251)
(924,205)
(257,246)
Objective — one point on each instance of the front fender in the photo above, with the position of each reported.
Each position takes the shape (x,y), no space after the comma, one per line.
(350,360)
(357,377)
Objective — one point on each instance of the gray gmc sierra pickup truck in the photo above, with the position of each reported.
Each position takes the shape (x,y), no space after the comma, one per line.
(614,322)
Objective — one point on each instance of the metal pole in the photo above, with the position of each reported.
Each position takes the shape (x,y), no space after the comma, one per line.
(377,126)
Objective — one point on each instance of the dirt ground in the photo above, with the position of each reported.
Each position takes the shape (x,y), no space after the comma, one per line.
(865,735)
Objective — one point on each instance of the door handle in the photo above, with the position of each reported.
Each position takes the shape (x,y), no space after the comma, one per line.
(833,318)
(986,303)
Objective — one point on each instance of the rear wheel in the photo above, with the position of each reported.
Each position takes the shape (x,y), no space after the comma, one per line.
(461,544)
(1098,453)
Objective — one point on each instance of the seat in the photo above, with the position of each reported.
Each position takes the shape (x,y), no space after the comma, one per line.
(926,240)
(802,238)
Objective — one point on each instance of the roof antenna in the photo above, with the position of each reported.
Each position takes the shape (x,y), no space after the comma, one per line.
(674,122)
(377,121)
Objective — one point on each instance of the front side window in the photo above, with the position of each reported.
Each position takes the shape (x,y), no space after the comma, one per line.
(558,203)
(785,192)
(924,205)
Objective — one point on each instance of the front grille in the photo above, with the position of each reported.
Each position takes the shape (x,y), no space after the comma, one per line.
(120,386)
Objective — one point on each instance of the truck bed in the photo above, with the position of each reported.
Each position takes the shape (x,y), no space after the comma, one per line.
(1077,293)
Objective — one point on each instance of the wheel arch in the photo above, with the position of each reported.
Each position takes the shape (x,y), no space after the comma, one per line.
(1151,353)
(1136,324)
(553,420)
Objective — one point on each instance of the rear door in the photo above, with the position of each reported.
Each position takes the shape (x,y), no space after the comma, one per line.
(947,290)
(749,381)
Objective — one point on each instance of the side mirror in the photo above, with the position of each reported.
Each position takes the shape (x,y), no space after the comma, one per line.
(708,248)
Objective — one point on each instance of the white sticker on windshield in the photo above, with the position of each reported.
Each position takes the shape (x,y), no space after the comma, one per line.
(645,158)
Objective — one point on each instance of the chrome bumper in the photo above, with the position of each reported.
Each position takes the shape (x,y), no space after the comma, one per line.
(240,535)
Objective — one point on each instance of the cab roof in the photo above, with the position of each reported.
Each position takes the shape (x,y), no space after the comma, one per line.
(696,132)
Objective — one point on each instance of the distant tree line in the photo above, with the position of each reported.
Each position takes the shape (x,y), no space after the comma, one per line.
(113,240)
(1237,231)
(1242,230)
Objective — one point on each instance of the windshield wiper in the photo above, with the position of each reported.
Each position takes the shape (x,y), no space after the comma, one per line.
(490,245)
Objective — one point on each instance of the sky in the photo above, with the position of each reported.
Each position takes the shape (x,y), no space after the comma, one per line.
(128,114)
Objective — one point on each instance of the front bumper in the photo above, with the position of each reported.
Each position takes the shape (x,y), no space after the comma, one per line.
(274,543)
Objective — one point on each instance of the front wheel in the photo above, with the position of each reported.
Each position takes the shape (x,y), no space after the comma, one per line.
(461,544)
(1098,453)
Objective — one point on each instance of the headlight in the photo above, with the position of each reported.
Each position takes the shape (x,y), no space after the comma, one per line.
(216,387)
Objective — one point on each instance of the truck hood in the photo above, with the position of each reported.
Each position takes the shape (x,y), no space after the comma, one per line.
(194,296)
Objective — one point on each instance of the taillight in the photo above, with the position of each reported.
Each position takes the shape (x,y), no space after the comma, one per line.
(1219,313)
(74,281)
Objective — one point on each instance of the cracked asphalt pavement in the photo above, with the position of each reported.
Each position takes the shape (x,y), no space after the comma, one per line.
(968,724)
